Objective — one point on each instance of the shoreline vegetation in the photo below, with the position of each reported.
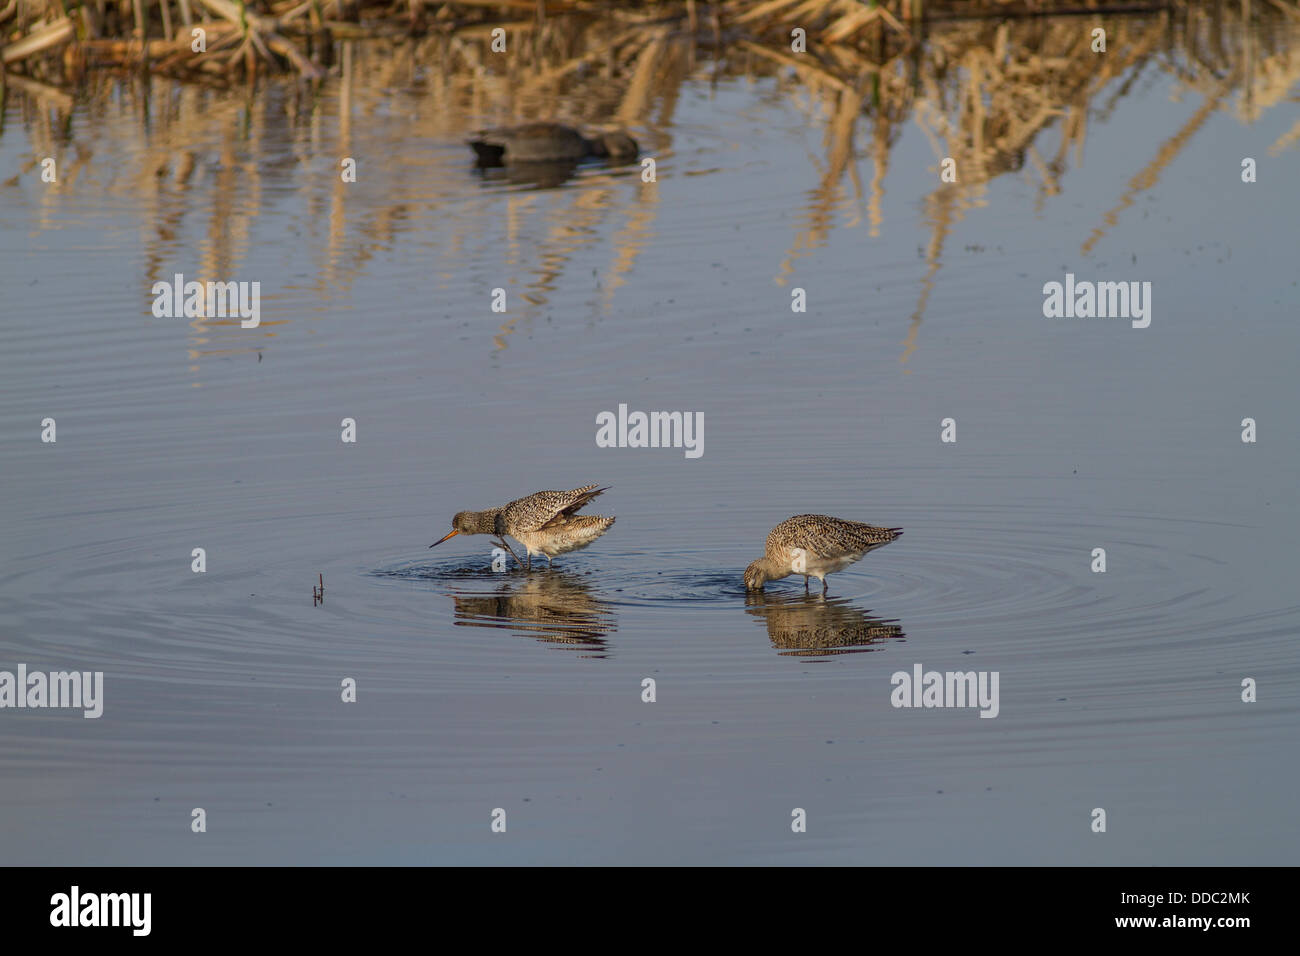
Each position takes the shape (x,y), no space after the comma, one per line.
(996,93)
(57,42)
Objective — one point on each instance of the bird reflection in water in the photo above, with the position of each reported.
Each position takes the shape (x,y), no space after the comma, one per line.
(540,175)
(810,625)
(547,175)
(554,607)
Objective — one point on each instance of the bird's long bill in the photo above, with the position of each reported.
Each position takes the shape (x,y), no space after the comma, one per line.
(449,534)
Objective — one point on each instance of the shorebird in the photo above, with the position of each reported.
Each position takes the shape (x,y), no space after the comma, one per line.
(546,523)
(548,143)
(815,546)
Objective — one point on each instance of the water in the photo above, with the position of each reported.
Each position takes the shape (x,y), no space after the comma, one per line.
(479,690)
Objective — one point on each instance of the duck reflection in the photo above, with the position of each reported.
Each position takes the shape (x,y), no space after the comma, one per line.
(540,175)
(552,606)
(810,625)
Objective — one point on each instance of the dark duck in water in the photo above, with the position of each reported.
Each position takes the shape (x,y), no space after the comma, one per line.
(549,143)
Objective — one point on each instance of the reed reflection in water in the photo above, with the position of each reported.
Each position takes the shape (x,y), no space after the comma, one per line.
(661,295)
(997,97)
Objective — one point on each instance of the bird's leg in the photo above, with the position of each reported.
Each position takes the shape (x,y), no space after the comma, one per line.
(549,563)
(825,586)
(499,528)
(502,543)
(805,584)
(528,555)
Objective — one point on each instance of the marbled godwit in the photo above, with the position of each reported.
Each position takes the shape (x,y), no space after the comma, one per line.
(545,523)
(548,143)
(815,546)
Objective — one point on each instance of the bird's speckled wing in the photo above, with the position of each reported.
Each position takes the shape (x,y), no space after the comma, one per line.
(541,509)
(829,537)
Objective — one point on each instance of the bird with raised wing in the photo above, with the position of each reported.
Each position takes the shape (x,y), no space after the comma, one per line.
(545,523)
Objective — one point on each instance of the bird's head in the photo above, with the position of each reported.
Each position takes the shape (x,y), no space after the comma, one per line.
(461,524)
(755,576)
(616,145)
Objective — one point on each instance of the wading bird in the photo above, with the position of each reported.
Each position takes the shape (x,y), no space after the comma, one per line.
(815,546)
(546,523)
